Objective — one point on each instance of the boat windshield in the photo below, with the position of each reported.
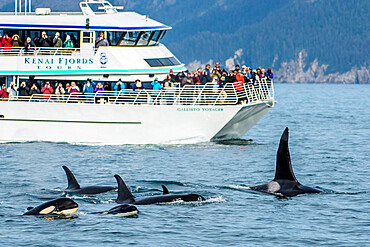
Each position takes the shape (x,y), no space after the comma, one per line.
(135,38)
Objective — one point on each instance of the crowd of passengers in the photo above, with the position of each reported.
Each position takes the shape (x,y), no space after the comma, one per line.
(217,77)
(220,76)
(46,41)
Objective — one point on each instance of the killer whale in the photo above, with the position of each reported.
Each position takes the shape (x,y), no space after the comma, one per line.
(121,210)
(73,185)
(60,206)
(285,182)
(126,197)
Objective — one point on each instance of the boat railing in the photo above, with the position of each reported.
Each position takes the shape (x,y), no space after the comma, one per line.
(39,51)
(208,94)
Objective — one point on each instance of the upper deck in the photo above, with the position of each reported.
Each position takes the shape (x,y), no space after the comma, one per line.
(109,19)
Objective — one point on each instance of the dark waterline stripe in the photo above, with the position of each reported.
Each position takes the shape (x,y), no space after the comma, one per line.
(65,121)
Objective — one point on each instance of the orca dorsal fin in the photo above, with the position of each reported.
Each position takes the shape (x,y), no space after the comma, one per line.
(124,193)
(165,190)
(72,182)
(283,163)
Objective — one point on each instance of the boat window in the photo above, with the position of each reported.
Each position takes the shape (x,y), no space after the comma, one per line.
(159,62)
(155,36)
(23,34)
(87,37)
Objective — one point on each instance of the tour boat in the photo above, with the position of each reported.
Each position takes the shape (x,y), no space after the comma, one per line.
(189,114)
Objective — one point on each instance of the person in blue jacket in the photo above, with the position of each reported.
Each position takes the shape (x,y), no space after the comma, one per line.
(156,90)
(118,87)
(156,87)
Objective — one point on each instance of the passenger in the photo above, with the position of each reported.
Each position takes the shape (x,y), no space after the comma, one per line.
(237,68)
(3,93)
(205,78)
(222,70)
(168,82)
(101,40)
(222,81)
(88,90)
(248,76)
(74,89)
(68,86)
(34,89)
(118,87)
(239,77)
(180,76)
(12,90)
(270,75)
(45,41)
(57,41)
(16,41)
(59,92)
(29,45)
(23,89)
(6,42)
(74,40)
(195,78)
(187,80)
(68,43)
(1,40)
(156,90)
(173,77)
(88,87)
(137,85)
(215,84)
(99,91)
(217,68)
(36,39)
(208,67)
(47,90)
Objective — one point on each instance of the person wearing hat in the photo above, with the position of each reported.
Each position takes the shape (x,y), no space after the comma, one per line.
(156,89)
(173,77)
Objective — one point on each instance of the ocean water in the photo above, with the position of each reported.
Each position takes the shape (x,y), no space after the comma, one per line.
(329,146)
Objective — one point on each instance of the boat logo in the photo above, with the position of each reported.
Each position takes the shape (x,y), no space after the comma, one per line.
(103,59)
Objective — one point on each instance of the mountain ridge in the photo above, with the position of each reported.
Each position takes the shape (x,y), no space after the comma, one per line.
(332,35)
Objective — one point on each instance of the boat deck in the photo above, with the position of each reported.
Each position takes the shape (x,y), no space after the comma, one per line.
(208,94)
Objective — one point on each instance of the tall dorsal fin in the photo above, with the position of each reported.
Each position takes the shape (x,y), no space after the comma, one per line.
(283,164)
(72,182)
(165,190)
(124,193)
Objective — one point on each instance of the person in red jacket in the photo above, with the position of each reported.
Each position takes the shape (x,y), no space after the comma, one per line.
(3,93)
(47,90)
(6,42)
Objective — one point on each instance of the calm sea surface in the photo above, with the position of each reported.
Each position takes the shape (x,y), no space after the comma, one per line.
(329,144)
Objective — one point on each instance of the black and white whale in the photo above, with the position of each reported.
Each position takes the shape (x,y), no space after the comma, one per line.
(60,206)
(74,187)
(121,210)
(125,196)
(285,182)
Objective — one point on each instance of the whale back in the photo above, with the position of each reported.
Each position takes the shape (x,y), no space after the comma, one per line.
(72,181)
(124,194)
(283,163)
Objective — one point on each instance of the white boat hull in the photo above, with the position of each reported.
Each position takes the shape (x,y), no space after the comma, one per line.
(115,124)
